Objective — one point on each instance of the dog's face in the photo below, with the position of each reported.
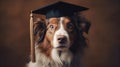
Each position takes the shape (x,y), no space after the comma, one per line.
(61,32)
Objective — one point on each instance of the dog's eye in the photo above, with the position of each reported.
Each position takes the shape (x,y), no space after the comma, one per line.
(51,26)
(70,26)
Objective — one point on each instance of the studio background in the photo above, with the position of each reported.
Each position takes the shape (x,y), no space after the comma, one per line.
(104,35)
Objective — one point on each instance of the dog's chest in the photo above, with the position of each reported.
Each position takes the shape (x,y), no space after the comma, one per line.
(65,59)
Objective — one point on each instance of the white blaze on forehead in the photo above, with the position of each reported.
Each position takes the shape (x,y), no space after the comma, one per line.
(60,31)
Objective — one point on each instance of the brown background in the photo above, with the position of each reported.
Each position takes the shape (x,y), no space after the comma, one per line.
(104,35)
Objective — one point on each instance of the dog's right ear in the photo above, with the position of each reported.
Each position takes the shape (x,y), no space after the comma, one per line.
(39,29)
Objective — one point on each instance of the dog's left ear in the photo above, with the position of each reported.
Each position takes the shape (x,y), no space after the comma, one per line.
(84,25)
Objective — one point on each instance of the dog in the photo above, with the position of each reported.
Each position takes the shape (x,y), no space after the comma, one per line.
(59,42)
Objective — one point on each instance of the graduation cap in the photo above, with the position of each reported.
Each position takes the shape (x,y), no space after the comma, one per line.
(58,9)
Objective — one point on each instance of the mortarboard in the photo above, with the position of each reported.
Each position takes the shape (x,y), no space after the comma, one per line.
(58,9)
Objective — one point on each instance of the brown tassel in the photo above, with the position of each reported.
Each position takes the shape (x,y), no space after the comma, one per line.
(32,39)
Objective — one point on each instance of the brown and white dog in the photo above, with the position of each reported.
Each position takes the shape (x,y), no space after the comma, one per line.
(59,42)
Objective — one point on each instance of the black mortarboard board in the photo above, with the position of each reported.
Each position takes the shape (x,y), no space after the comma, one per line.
(59,9)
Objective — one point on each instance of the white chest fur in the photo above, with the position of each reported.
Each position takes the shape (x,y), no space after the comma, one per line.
(59,59)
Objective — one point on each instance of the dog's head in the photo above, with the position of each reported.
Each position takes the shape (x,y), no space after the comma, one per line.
(63,33)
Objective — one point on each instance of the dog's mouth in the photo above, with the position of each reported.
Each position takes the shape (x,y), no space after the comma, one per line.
(61,47)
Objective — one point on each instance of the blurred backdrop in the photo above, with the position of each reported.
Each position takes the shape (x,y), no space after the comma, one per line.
(104,35)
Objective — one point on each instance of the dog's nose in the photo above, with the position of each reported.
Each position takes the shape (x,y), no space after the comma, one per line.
(62,39)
